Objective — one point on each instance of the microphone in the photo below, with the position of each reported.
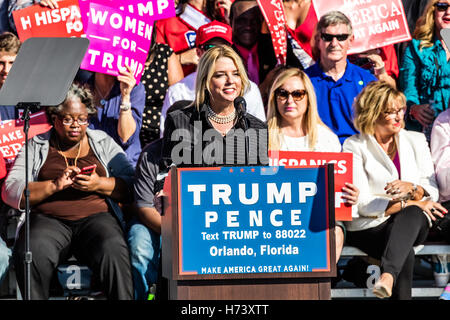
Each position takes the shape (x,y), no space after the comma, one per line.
(241,107)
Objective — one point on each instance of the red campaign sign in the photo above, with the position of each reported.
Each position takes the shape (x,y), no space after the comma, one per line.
(273,12)
(12,136)
(375,23)
(39,21)
(343,172)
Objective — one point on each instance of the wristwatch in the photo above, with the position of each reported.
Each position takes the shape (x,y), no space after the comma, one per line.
(125,106)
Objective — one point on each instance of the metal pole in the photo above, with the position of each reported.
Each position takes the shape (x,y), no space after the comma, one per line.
(28,255)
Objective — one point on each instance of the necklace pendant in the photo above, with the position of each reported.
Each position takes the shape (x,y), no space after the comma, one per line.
(103,102)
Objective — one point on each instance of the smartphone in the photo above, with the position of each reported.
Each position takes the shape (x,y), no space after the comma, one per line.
(88,170)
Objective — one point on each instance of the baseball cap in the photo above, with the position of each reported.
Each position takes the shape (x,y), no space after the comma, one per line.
(214,29)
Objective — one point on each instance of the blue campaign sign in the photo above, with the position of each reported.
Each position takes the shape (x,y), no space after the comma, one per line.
(253,220)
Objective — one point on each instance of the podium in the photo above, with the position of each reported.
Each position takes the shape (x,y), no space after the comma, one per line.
(249,233)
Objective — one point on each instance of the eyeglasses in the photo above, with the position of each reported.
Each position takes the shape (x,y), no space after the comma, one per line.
(441,6)
(297,95)
(329,37)
(206,47)
(68,121)
(392,114)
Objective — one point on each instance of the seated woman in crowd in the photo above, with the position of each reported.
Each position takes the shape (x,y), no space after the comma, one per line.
(73,212)
(120,104)
(221,78)
(425,71)
(440,153)
(394,172)
(294,125)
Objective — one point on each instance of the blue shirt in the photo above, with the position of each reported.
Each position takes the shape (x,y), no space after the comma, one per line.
(4,22)
(335,98)
(7,113)
(108,118)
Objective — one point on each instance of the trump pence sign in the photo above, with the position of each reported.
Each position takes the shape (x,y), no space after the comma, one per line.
(248,220)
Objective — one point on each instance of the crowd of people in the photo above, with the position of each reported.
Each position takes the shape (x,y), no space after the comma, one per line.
(211,71)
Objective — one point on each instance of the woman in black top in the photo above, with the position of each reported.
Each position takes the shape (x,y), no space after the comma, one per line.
(215,130)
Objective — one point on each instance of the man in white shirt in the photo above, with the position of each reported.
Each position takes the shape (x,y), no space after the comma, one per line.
(210,35)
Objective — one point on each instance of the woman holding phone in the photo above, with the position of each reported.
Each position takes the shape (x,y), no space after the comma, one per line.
(73,212)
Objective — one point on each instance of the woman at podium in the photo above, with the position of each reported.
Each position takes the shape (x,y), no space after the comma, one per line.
(78,176)
(215,129)
(394,171)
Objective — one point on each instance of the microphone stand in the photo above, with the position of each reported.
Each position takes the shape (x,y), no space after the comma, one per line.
(28,258)
(240,105)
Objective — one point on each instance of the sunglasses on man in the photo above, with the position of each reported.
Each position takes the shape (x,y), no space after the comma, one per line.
(329,37)
(441,6)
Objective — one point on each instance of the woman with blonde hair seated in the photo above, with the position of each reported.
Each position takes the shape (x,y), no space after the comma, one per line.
(294,125)
(292,116)
(392,168)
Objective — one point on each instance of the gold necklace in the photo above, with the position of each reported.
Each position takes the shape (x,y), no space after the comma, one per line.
(64,156)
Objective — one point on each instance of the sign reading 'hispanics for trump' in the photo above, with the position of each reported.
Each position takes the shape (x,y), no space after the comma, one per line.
(375,23)
(40,21)
(119,31)
(343,172)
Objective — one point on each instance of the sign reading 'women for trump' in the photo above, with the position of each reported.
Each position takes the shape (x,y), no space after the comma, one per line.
(375,23)
(120,35)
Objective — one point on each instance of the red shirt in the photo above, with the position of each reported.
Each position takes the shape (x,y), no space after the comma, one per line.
(180,35)
(176,33)
(304,32)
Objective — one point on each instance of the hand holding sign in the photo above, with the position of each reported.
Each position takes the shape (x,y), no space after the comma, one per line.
(223,8)
(127,82)
(52,4)
(351,193)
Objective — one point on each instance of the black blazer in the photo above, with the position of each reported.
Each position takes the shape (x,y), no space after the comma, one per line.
(197,143)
